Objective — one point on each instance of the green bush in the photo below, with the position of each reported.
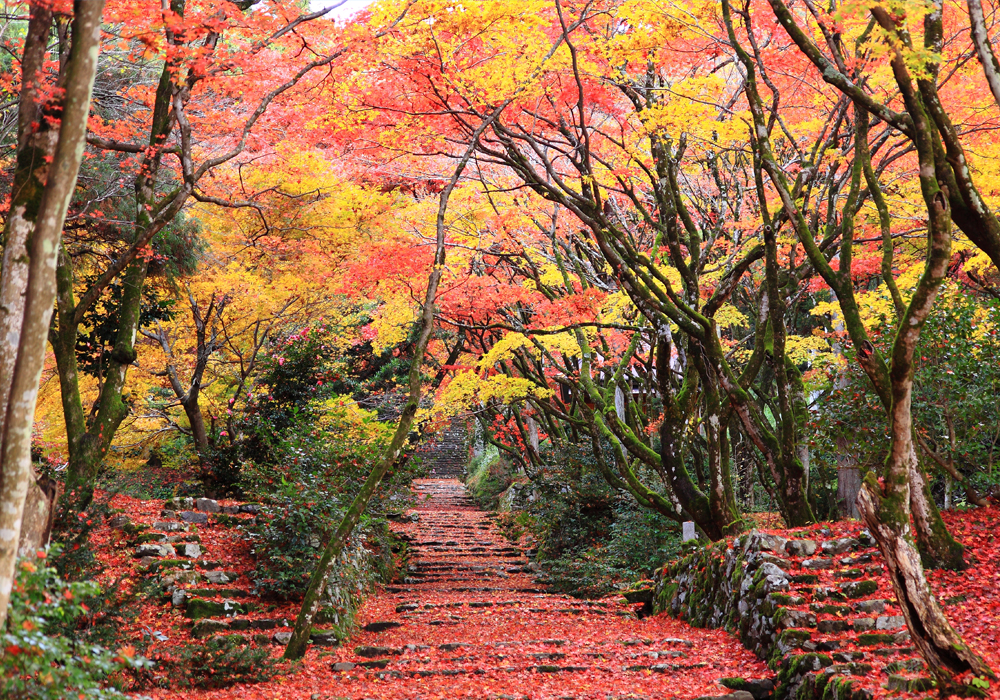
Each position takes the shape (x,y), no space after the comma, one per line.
(489,475)
(592,540)
(221,662)
(288,392)
(41,664)
(955,383)
(319,470)
(637,542)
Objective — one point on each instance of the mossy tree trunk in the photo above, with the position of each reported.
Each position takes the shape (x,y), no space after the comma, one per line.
(36,144)
(40,289)
(89,437)
(936,544)
(885,507)
(312,599)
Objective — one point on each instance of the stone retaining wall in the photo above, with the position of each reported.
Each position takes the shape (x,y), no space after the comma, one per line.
(750,587)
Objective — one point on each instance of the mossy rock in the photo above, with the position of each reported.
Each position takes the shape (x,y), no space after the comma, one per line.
(231,640)
(791,639)
(165,564)
(873,639)
(859,589)
(797,665)
(850,573)
(328,615)
(207,628)
(132,529)
(199,608)
(912,665)
(147,537)
(910,685)
(226,520)
(827,609)
(666,596)
(759,688)
(796,634)
(838,688)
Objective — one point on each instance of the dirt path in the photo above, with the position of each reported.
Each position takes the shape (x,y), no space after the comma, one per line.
(469,621)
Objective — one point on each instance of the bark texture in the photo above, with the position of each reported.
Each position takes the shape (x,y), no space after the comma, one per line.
(15,458)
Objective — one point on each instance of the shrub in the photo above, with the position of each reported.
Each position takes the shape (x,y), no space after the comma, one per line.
(637,542)
(318,472)
(42,665)
(954,389)
(489,475)
(592,540)
(220,662)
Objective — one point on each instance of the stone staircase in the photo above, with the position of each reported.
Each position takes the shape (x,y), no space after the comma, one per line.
(446,455)
(214,596)
(469,619)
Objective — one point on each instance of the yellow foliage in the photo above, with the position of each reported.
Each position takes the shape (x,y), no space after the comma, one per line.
(728,315)
(813,349)
(468,389)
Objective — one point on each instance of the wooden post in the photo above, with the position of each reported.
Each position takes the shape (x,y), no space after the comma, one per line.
(848,486)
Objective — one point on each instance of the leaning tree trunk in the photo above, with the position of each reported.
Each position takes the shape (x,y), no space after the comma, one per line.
(938,549)
(15,457)
(886,507)
(296,648)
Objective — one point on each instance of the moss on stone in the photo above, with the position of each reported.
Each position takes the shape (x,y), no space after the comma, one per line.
(859,589)
(838,689)
(799,665)
(873,639)
(827,609)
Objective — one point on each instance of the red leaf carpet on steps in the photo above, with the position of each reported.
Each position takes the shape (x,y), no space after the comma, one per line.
(472,623)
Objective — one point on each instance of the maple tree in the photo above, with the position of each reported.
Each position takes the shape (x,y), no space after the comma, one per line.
(669,228)
(26,279)
(197,66)
(560,143)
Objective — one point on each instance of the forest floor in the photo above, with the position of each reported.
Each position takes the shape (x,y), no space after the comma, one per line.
(470,621)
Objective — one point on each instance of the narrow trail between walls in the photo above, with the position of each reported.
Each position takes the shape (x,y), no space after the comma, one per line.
(469,621)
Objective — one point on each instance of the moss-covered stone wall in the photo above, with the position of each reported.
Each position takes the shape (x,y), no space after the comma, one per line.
(744,586)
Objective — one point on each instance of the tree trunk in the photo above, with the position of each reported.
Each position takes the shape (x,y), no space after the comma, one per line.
(946,654)
(676,406)
(192,409)
(15,458)
(63,336)
(93,446)
(39,515)
(296,648)
(848,487)
(35,147)
(886,507)
(938,549)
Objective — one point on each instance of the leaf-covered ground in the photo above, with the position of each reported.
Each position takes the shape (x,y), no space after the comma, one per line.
(472,621)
